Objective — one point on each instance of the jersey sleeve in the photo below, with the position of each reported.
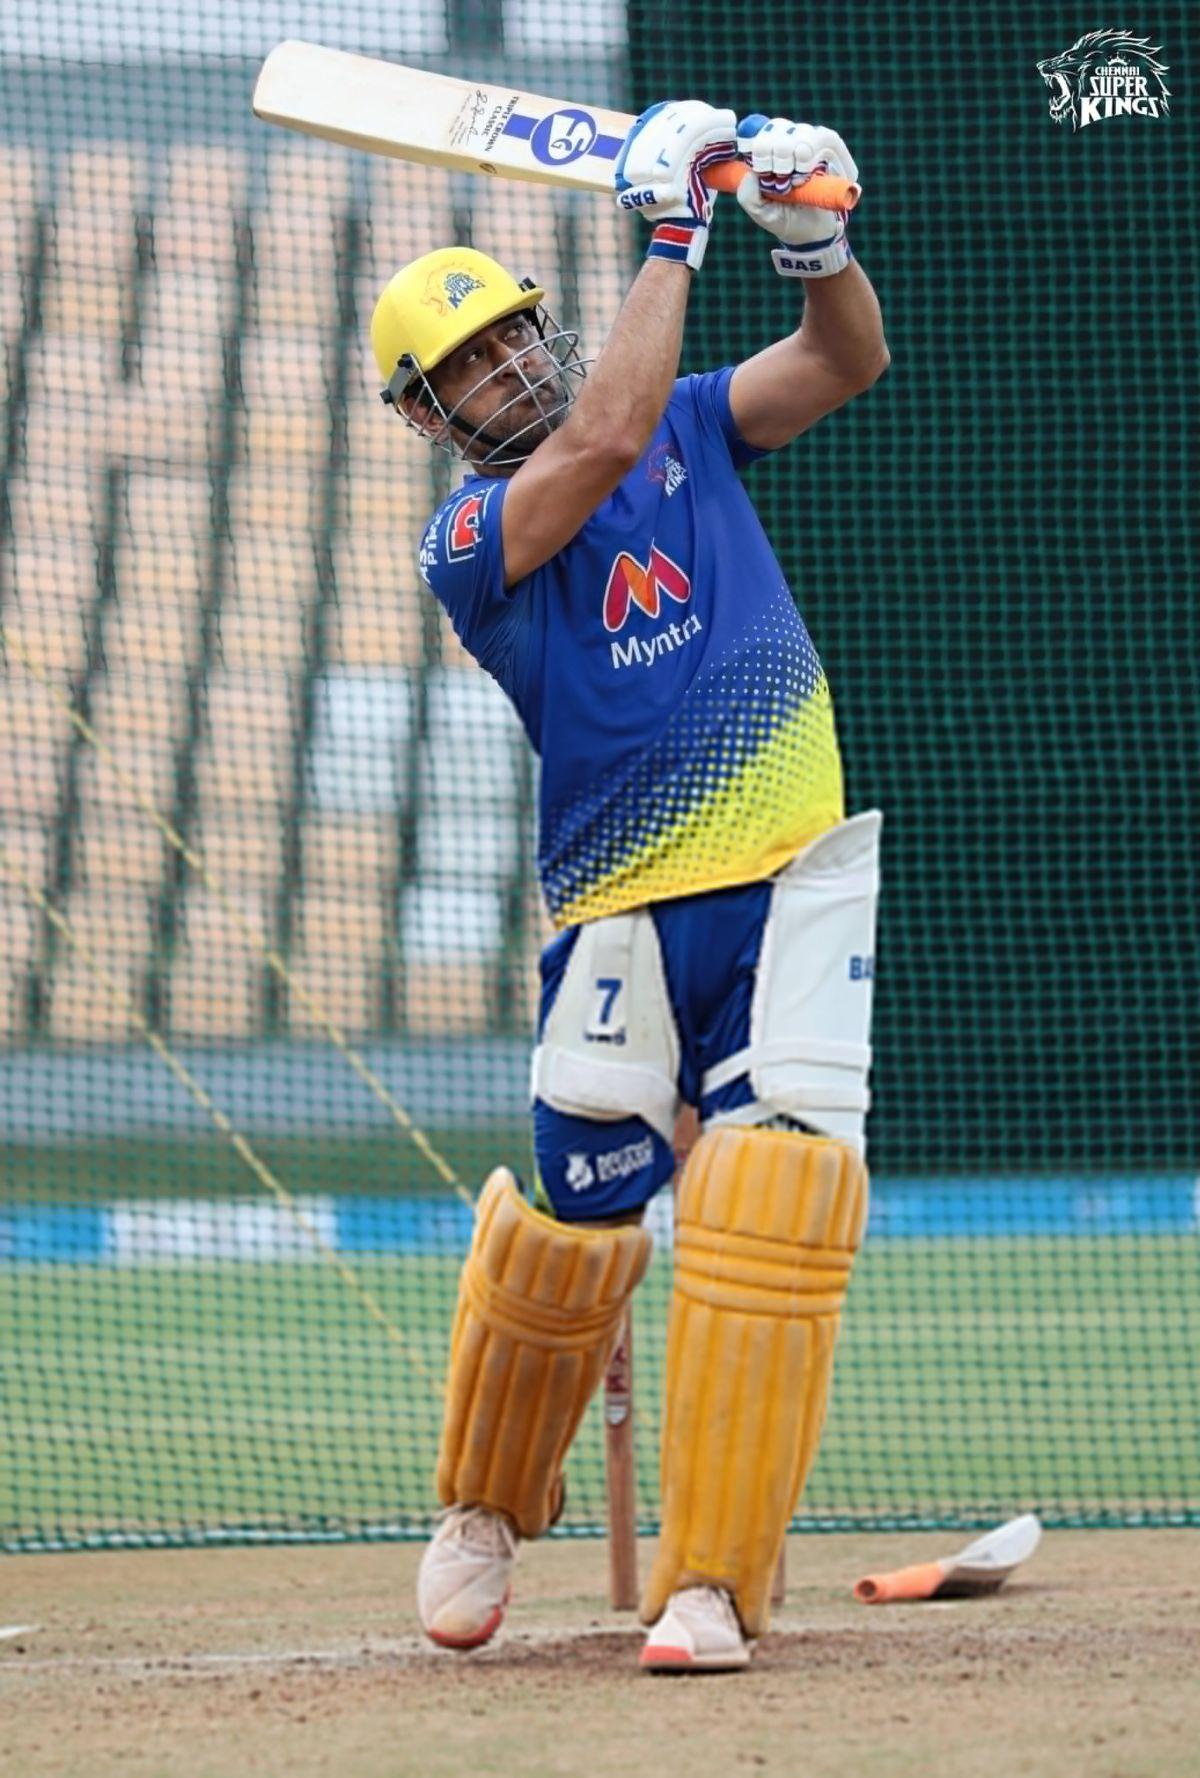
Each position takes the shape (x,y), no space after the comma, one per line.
(462,564)
(708,394)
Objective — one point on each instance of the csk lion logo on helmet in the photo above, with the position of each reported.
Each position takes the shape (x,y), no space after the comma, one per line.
(446,290)
(1106,74)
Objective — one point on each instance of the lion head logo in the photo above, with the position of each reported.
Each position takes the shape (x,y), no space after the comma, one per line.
(1106,74)
(448,290)
(433,295)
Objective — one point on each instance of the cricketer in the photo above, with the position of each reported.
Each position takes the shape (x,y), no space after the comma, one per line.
(715,908)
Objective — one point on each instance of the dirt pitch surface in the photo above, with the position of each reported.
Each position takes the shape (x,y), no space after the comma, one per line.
(296,1662)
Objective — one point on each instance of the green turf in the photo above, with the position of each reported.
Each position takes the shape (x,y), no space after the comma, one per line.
(385,1164)
(973,1378)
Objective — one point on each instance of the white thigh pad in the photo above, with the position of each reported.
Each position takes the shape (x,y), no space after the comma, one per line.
(610,1047)
(809,1053)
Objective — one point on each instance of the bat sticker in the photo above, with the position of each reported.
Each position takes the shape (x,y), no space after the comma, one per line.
(563,136)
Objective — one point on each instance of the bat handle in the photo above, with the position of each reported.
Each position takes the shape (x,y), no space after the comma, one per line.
(919,1582)
(821,191)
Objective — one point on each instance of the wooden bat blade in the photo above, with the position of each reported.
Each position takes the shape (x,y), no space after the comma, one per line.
(992,1557)
(410,114)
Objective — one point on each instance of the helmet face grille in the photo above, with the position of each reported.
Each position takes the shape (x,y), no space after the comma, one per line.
(552,385)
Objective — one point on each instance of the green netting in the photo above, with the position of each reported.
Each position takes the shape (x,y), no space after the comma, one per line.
(208,533)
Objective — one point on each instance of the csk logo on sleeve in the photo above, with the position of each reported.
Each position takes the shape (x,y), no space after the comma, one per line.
(1106,74)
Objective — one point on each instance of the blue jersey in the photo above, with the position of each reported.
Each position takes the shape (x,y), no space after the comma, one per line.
(661,671)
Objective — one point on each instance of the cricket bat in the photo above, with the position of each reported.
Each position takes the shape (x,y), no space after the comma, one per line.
(981,1567)
(621,1473)
(411,115)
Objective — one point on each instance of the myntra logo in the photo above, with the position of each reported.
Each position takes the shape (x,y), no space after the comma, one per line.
(629,583)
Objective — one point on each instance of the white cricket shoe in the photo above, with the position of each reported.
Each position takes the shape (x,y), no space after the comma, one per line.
(465,1577)
(698,1632)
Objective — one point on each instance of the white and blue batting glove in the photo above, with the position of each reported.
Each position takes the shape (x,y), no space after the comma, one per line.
(782,154)
(660,169)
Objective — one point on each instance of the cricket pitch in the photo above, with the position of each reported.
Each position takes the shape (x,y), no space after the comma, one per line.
(304,1661)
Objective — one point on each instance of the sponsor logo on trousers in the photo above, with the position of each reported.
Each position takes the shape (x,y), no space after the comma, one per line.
(579,1173)
(619,1163)
(583,1171)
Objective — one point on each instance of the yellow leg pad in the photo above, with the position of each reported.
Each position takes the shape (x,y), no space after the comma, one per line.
(767,1226)
(540,1304)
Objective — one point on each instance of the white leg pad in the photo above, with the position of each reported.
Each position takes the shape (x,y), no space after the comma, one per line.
(809,1053)
(610,1047)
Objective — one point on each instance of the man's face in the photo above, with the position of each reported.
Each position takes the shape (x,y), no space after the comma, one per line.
(521,397)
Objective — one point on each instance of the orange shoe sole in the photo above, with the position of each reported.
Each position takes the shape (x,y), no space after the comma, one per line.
(477,1638)
(665,1659)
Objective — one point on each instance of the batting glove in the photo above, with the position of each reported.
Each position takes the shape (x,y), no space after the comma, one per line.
(782,155)
(660,170)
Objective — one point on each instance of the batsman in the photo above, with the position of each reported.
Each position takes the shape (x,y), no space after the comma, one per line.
(714,907)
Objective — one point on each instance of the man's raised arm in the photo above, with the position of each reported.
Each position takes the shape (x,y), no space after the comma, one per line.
(613,419)
(839,349)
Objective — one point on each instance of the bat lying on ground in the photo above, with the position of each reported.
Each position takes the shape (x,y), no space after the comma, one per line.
(412,115)
(980,1568)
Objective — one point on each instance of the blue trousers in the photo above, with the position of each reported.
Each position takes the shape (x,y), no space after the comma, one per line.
(710,947)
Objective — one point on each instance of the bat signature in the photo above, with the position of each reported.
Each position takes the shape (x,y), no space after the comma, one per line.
(469,116)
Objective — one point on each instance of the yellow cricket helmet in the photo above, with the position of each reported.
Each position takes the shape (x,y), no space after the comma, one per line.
(435,303)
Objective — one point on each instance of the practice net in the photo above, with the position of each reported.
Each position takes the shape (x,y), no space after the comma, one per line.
(208,539)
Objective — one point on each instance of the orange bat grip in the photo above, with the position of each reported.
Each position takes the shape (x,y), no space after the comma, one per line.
(919,1582)
(821,191)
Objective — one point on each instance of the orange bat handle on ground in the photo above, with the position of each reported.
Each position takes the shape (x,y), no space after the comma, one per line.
(821,191)
(919,1582)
